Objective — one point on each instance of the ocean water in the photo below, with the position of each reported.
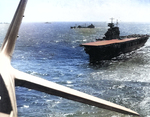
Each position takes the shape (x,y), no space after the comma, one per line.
(52,51)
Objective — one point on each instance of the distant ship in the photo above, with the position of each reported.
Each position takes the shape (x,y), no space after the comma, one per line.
(47,22)
(112,45)
(90,26)
(4,23)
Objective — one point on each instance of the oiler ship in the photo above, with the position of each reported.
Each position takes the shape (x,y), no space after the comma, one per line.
(113,45)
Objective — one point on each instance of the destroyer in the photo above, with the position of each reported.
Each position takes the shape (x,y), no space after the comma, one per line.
(112,45)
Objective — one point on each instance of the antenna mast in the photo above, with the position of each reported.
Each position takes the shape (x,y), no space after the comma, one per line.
(111,20)
(117,23)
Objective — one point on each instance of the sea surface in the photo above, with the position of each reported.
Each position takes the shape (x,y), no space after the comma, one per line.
(52,51)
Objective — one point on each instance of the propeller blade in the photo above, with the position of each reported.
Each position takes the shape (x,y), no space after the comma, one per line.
(8,106)
(11,36)
(39,84)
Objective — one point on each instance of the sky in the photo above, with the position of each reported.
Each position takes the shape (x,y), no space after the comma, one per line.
(78,10)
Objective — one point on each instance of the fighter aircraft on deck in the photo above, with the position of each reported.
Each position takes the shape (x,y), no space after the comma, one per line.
(10,77)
